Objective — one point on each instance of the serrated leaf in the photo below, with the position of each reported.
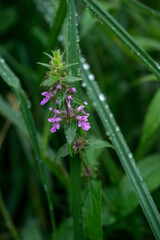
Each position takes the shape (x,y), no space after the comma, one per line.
(70,131)
(92,210)
(152,119)
(97,143)
(72,79)
(62,152)
(60,97)
(50,81)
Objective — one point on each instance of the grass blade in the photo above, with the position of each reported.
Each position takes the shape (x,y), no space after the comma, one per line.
(92,210)
(125,156)
(124,36)
(7,218)
(75,163)
(11,80)
(143,8)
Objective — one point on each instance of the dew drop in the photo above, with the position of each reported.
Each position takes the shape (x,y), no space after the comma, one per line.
(83,59)
(111,115)
(130,155)
(60,38)
(2,60)
(83,85)
(86,66)
(158,66)
(46,188)
(117,129)
(102,97)
(108,133)
(91,77)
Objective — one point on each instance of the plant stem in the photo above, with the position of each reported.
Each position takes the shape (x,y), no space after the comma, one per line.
(75,168)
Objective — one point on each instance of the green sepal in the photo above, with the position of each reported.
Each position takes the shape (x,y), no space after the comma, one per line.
(44,64)
(72,79)
(80,102)
(68,65)
(50,81)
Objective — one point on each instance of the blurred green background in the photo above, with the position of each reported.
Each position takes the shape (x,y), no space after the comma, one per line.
(25,33)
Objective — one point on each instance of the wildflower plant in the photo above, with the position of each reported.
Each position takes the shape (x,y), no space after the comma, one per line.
(66,109)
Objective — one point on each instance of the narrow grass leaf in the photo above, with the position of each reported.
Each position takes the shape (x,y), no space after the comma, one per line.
(92,210)
(143,8)
(11,80)
(8,219)
(75,163)
(124,36)
(125,156)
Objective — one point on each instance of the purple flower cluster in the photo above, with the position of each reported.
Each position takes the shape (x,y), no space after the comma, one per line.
(68,113)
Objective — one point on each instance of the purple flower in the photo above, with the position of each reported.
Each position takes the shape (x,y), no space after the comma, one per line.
(78,144)
(55,123)
(50,108)
(54,127)
(86,103)
(69,98)
(73,90)
(46,99)
(83,122)
(59,87)
(81,109)
(47,95)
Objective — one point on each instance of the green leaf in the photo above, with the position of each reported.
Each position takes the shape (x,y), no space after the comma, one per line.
(31,231)
(70,131)
(62,152)
(60,97)
(72,79)
(91,210)
(49,81)
(145,79)
(65,230)
(124,36)
(152,118)
(98,143)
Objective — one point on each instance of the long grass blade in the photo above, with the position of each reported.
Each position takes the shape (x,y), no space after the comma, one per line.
(124,36)
(125,156)
(8,219)
(10,78)
(75,163)
(143,8)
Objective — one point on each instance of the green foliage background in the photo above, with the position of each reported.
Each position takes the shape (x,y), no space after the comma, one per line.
(29,28)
